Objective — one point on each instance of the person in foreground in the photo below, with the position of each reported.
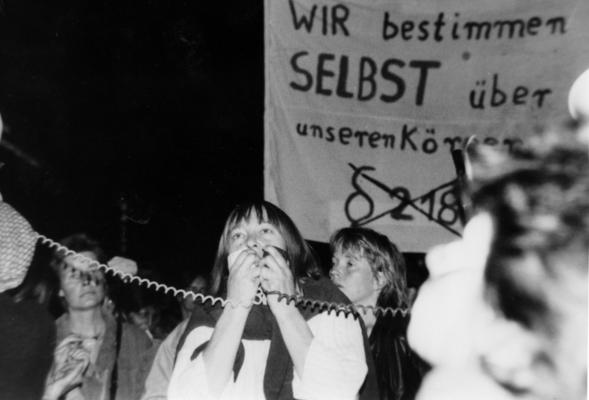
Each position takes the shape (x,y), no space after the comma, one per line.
(275,350)
(27,331)
(504,313)
(370,271)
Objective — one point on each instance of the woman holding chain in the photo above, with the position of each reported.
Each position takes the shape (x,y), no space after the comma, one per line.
(273,350)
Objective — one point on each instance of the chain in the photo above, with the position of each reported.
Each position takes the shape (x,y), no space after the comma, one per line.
(260,298)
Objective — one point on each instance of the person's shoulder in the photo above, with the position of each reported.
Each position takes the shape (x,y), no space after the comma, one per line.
(322,289)
(178,330)
(321,296)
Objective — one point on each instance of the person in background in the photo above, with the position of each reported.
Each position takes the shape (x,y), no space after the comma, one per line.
(273,350)
(98,356)
(146,318)
(369,269)
(156,384)
(504,312)
(154,312)
(200,284)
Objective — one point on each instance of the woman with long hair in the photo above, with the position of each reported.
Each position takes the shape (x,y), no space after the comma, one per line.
(273,350)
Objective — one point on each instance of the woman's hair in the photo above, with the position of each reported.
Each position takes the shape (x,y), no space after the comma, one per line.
(384,258)
(301,258)
(78,242)
(539,201)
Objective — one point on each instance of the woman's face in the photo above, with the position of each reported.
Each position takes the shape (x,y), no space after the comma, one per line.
(144,317)
(81,288)
(255,235)
(352,274)
(198,285)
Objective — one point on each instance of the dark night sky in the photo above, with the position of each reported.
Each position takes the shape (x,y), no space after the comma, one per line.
(159,101)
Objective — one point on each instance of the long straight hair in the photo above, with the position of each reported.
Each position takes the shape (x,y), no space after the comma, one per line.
(301,258)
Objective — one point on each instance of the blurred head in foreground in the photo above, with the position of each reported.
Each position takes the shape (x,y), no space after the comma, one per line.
(578,99)
(504,313)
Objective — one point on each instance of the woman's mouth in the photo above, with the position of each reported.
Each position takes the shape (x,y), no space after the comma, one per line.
(88,293)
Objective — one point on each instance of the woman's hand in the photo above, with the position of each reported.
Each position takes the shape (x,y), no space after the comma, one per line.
(124,265)
(244,276)
(70,361)
(275,275)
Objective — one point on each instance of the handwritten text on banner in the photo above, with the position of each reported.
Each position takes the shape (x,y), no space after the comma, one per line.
(365,101)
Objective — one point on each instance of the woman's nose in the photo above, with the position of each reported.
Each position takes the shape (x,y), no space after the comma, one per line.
(253,243)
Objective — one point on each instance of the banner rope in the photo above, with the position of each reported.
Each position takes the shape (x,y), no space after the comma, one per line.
(299,301)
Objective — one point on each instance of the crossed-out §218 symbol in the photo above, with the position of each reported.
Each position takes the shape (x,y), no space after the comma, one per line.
(439,204)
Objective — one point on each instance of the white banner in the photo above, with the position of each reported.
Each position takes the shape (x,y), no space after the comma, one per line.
(366,99)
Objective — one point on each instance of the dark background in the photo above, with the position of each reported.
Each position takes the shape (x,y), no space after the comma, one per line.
(152,105)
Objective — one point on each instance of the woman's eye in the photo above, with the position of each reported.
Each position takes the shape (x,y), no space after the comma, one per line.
(267,231)
(236,235)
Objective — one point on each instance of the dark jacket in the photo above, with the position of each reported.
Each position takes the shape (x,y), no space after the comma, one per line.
(27,342)
(396,370)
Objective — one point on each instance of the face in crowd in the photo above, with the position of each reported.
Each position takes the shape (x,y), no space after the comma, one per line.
(198,285)
(353,274)
(255,227)
(368,268)
(255,234)
(80,287)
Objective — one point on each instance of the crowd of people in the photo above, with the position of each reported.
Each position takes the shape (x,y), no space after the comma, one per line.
(503,314)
